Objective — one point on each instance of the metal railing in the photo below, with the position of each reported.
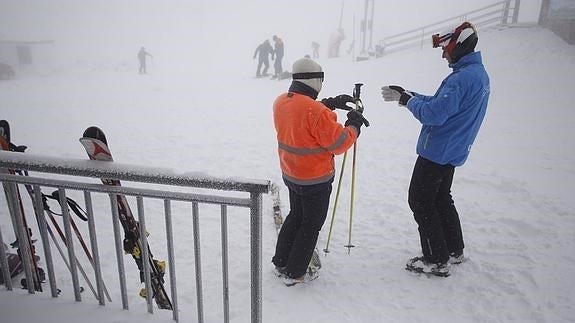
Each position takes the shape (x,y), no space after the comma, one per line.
(86,169)
(499,13)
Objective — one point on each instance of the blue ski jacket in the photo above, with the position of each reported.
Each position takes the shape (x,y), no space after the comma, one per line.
(451,118)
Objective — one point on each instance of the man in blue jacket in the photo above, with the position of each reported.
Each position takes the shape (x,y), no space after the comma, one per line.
(450,122)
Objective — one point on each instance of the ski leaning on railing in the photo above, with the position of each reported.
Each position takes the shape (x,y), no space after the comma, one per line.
(24,243)
(96,145)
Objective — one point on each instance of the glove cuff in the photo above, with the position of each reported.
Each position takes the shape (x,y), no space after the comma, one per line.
(405,97)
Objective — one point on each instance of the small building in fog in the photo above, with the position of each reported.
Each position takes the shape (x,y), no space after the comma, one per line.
(20,54)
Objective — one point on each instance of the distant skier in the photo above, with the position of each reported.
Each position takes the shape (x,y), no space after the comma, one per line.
(450,122)
(315,49)
(308,136)
(263,51)
(279,55)
(142,58)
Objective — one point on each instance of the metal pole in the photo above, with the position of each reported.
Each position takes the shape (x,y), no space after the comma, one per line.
(145,254)
(225,279)
(70,244)
(371,25)
(171,258)
(505,15)
(516,11)
(364,29)
(326,250)
(42,226)
(94,244)
(352,198)
(198,259)
(256,256)
(119,249)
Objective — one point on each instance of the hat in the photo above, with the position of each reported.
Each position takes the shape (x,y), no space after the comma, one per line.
(458,41)
(308,72)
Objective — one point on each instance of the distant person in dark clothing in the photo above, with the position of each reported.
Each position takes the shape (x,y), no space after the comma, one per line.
(262,52)
(279,55)
(142,58)
(315,48)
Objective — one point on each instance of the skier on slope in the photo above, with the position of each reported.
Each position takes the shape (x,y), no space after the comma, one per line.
(450,122)
(142,59)
(263,51)
(308,137)
(279,54)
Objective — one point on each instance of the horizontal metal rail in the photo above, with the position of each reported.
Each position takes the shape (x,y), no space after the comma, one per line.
(124,190)
(126,172)
(491,15)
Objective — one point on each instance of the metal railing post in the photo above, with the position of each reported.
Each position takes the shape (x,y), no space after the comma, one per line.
(256,256)
(43,227)
(119,249)
(198,261)
(94,245)
(171,258)
(70,244)
(225,276)
(145,254)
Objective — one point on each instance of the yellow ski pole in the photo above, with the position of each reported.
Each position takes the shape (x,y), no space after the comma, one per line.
(352,198)
(359,109)
(326,250)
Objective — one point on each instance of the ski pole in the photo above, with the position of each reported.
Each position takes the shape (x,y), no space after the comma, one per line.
(359,109)
(326,250)
(30,190)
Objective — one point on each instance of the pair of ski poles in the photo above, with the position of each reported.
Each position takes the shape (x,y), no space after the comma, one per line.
(359,109)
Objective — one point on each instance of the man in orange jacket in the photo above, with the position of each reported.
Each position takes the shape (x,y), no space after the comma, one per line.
(308,137)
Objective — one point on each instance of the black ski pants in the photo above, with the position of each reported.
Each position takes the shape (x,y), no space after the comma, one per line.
(300,230)
(278,70)
(434,210)
(266,64)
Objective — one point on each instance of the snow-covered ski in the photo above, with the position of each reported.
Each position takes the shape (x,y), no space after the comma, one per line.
(96,145)
(38,274)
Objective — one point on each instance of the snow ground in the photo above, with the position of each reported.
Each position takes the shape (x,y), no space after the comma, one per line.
(513,195)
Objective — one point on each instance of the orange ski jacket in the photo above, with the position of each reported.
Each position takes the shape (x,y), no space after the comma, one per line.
(308,137)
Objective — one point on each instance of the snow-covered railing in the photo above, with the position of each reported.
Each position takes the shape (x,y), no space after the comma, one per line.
(100,169)
(499,13)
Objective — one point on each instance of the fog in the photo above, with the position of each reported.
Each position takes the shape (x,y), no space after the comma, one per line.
(220,33)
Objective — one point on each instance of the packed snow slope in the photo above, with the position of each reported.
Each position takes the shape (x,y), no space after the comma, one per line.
(514,194)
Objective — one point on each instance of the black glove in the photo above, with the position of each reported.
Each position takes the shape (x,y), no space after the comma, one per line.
(19,149)
(338,102)
(354,119)
(405,95)
(396,93)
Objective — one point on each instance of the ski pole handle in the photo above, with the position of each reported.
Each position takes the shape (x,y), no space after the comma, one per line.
(357,91)
(358,103)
